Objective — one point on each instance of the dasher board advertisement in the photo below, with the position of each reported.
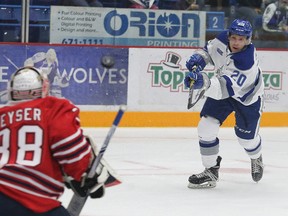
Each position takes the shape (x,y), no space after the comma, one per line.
(157,79)
(126,27)
(74,72)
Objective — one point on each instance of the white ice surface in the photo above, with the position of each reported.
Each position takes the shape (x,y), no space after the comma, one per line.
(155,163)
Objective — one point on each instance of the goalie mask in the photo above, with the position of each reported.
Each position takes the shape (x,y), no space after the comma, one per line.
(28,83)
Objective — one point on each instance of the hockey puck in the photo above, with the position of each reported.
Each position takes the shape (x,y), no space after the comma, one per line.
(107,61)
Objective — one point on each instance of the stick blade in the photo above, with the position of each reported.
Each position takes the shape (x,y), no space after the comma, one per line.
(197,98)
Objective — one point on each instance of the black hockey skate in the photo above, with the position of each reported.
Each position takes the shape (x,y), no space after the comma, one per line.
(257,168)
(206,179)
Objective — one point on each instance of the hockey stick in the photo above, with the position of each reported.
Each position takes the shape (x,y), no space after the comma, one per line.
(190,95)
(77,203)
(198,97)
(199,94)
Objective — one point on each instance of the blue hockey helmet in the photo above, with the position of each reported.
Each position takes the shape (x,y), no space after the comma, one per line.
(240,27)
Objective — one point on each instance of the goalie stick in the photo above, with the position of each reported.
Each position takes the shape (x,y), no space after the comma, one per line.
(77,203)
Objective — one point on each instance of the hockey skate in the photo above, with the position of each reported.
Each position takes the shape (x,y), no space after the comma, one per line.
(257,168)
(206,179)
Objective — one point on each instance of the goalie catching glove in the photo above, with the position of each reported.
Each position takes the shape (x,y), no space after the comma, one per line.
(105,176)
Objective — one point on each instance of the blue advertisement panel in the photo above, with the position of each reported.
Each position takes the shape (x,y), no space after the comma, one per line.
(74,72)
(84,25)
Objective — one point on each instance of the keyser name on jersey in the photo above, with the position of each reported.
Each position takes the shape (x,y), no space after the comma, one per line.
(26,114)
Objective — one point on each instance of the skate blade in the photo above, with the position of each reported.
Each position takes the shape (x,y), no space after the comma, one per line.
(256,178)
(210,184)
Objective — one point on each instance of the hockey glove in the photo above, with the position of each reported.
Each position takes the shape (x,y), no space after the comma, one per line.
(195,63)
(94,185)
(196,78)
(200,80)
(105,176)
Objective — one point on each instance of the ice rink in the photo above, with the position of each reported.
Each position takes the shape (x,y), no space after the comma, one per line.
(155,163)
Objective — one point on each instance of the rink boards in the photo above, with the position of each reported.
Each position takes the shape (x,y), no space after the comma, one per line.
(170,119)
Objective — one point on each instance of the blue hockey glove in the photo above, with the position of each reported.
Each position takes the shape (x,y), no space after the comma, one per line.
(196,78)
(195,63)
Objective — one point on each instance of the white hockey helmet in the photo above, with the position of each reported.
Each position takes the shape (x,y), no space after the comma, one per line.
(28,83)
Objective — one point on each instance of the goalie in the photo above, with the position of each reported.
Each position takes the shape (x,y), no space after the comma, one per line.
(42,140)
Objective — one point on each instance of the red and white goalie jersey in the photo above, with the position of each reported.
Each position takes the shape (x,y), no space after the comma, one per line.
(38,140)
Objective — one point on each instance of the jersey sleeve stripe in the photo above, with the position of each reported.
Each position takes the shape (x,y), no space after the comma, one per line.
(40,177)
(67,139)
(75,159)
(26,184)
(11,185)
(29,183)
(69,151)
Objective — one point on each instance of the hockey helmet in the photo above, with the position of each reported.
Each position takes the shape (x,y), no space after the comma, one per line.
(28,83)
(240,27)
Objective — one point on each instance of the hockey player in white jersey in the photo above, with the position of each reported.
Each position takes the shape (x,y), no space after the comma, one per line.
(237,88)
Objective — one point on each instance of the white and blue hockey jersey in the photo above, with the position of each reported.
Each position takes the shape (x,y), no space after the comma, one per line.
(238,75)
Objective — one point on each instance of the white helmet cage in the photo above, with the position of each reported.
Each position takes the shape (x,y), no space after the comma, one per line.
(28,83)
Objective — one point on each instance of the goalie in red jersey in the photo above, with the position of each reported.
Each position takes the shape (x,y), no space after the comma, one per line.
(41,141)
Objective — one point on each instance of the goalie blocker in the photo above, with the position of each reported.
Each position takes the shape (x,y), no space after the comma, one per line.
(104,177)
